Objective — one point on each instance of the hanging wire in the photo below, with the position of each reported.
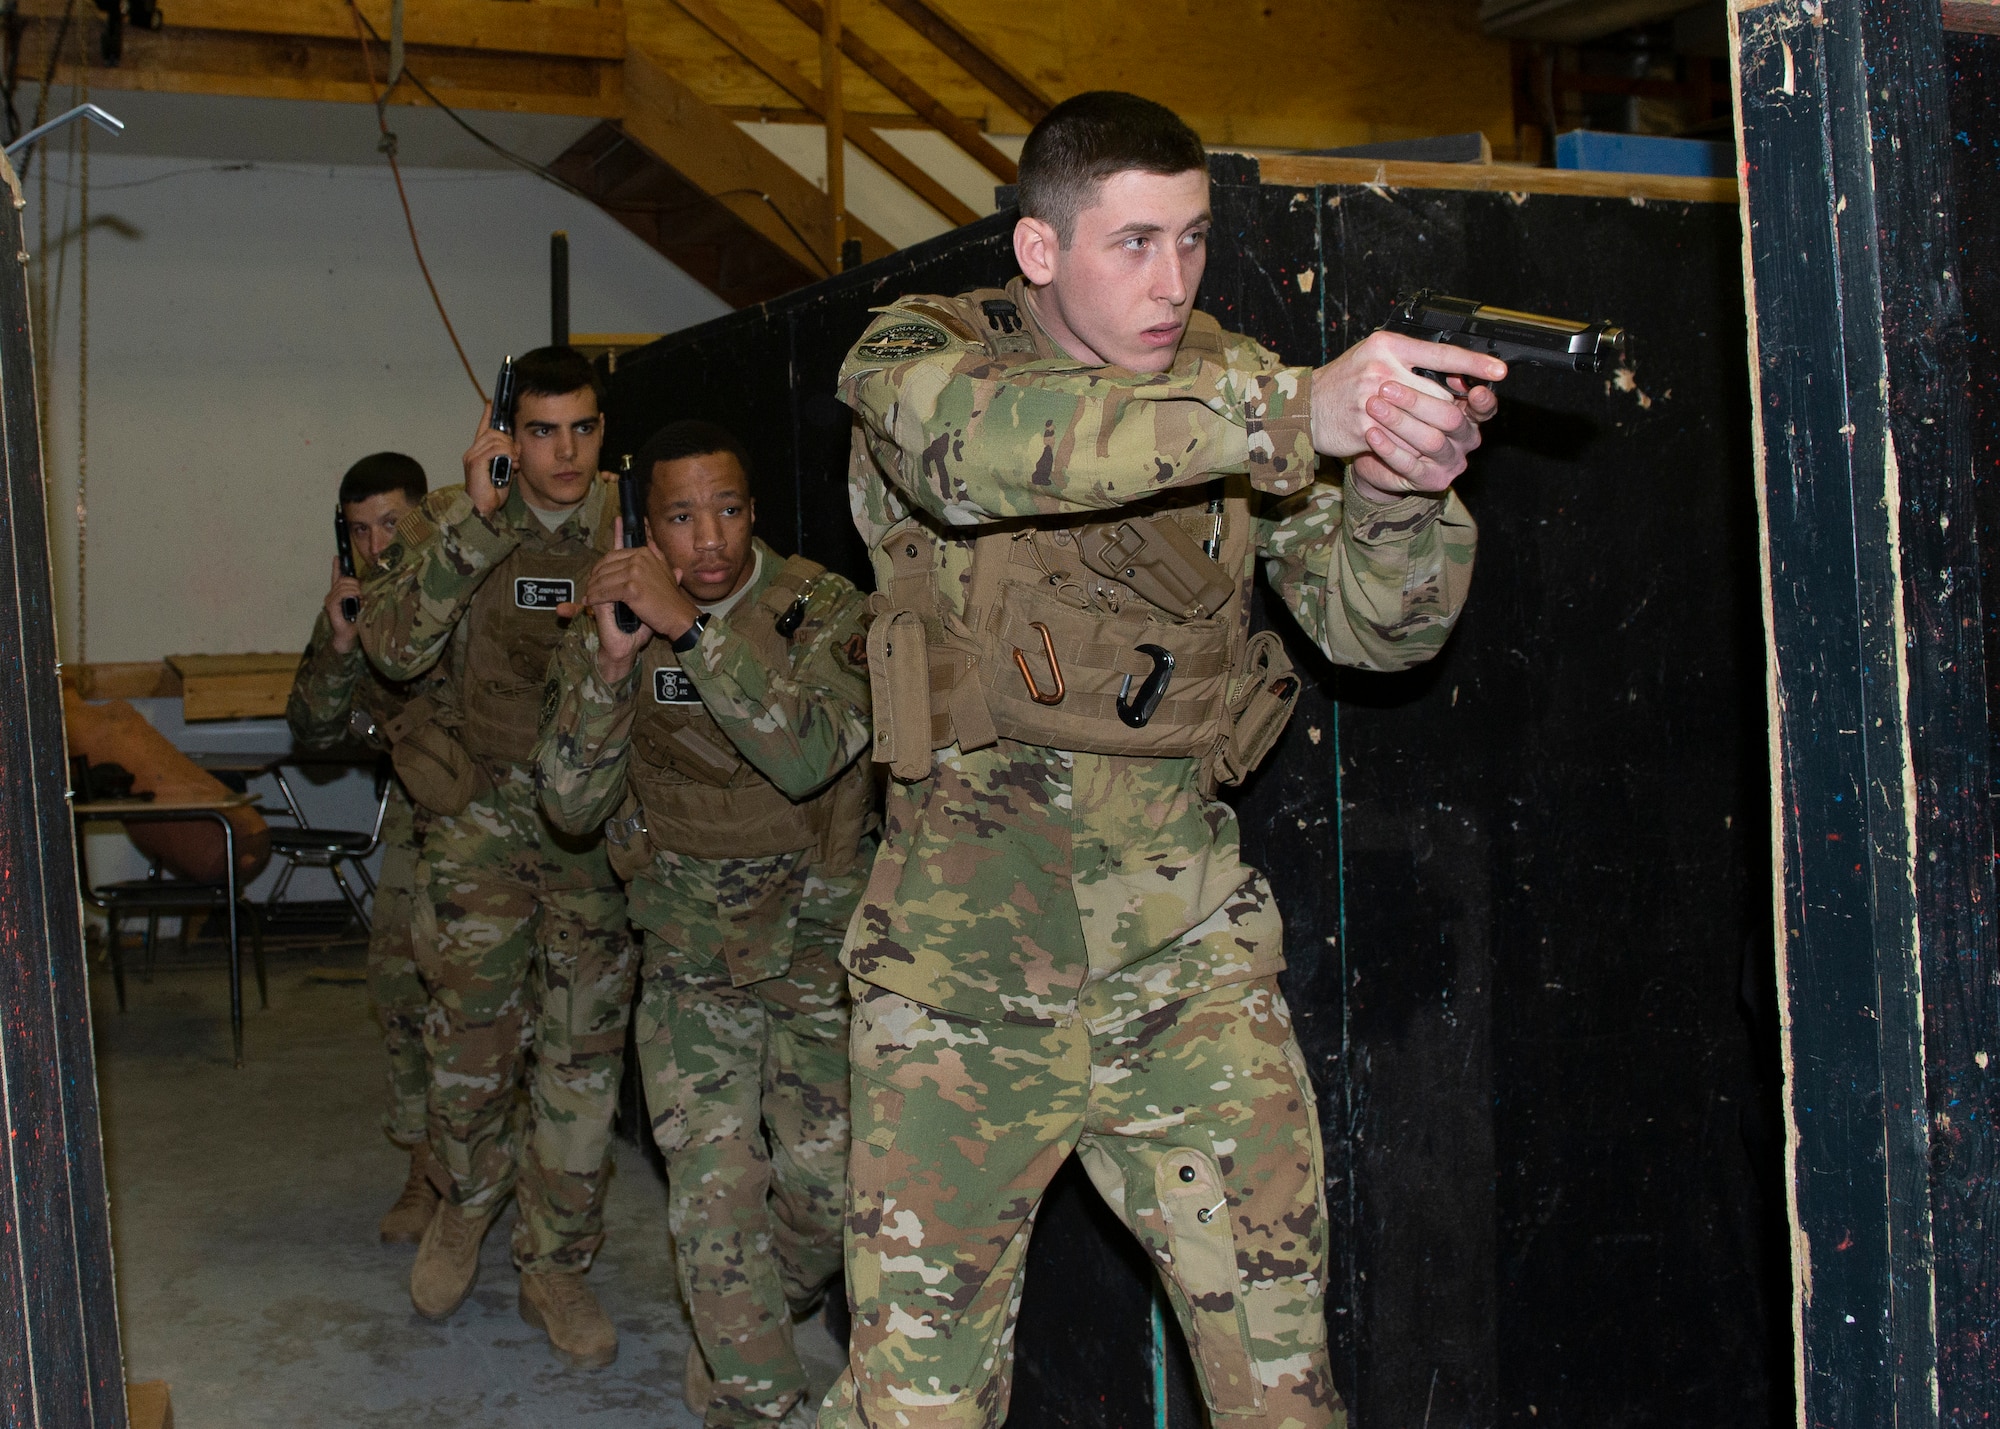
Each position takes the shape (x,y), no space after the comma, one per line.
(389,148)
(550,176)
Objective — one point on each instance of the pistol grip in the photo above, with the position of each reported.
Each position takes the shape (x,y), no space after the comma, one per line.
(350,608)
(500,471)
(623,617)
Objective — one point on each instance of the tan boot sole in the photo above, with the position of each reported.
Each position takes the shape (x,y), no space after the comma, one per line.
(533,1317)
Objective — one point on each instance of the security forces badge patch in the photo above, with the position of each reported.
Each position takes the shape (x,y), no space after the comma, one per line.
(900,340)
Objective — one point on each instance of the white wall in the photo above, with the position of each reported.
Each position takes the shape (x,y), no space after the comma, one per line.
(254,328)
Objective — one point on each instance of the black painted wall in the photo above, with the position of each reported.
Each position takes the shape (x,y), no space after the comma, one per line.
(1526,888)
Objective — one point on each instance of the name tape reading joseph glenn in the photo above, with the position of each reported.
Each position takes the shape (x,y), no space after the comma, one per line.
(532,593)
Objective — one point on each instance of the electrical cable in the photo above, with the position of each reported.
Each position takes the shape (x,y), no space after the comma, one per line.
(389,149)
(548,175)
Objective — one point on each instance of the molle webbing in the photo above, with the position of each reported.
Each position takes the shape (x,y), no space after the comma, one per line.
(512,636)
(700,796)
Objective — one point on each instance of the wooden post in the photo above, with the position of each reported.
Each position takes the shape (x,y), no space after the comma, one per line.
(1878,717)
(836,136)
(59,1356)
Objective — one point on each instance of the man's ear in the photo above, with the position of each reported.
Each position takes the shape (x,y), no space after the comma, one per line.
(1035,248)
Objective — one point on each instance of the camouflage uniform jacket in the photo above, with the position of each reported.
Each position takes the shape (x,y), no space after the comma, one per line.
(413,608)
(330,686)
(960,439)
(800,727)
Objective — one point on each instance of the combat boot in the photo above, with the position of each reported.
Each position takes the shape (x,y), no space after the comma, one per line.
(447,1261)
(411,1215)
(559,1304)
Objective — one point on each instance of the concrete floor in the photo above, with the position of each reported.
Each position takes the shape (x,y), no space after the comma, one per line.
(243,1211)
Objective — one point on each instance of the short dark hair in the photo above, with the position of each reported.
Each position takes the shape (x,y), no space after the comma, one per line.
(688,437)
(383,472)
(556,372)
(1088,138)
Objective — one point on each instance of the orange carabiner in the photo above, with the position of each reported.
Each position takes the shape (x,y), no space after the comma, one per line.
(1027,675)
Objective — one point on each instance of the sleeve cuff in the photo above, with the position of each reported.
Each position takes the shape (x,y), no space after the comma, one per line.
(1374,522)
(471,535)
(1277,418)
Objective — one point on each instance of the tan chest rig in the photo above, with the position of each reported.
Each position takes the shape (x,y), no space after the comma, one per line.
(512,633)
(1128,636)
(696,793)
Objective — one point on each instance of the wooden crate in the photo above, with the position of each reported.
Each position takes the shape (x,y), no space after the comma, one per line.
(234,686)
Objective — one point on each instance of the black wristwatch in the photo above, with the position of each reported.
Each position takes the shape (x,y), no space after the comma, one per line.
(690,637)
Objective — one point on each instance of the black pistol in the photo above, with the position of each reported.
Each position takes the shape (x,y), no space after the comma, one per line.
(350,606)
(500,470)
(1505,334)
(623,615)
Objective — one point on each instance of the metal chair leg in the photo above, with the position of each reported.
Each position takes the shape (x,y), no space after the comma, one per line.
(152,943)
(360,913)
(257,954)
(117,954)
(277,893)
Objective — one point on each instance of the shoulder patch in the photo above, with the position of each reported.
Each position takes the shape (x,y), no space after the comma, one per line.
(900,340)
(855,651)
(939,313)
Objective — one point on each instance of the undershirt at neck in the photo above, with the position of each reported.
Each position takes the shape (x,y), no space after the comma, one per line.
(720,610)
(551,519)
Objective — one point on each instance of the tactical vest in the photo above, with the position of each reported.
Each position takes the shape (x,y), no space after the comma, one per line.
(512,633)
(1128,636)
(698,794)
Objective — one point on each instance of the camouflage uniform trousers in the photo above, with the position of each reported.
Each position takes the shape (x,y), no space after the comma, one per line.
(1196,1124)
(395,991)
(530,966)
(742,1041)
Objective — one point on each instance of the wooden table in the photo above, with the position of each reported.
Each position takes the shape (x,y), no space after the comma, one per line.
(163,811)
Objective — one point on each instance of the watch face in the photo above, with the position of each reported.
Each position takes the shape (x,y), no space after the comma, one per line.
(671,686)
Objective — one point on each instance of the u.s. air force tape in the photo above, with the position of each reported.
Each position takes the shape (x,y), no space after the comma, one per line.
(539,593)
(671,686)
(900,340)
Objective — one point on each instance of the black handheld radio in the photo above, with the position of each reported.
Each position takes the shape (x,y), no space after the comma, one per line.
(350,606)
(500,470)
(624,616)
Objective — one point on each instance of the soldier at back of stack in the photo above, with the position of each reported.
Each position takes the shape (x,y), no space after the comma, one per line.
(1067,486)
(339,698)
(723,739)
(531,966)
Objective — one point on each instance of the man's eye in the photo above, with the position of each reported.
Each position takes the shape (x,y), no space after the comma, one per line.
(1135,244)
(584,429)
(1196,239)
(539,429)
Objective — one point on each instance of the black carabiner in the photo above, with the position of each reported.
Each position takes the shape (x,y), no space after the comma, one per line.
(795,615)
(1150,694)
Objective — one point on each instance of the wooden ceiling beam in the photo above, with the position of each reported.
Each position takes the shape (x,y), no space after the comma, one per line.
(703,145)
(1014,89)
(927,105)
(289,64)
(505,26)
(787,77)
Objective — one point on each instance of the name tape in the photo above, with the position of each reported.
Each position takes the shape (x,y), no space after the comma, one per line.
(536,593)
(671,686)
